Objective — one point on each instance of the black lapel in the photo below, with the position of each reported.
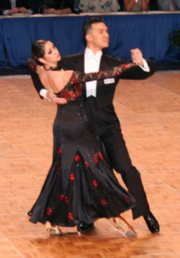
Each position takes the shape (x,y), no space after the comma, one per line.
(79,66)
(79,63)
(104,63)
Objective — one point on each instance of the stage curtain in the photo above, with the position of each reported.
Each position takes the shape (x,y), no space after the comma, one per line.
(149,32)
(3,62)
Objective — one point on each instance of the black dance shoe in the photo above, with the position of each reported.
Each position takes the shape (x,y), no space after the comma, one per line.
(84,227)
(152,223)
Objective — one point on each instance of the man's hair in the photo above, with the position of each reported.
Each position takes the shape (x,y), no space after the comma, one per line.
(87,24)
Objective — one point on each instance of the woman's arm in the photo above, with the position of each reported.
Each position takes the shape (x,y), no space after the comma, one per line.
(116,71)
(145,5)
(57,11)
(130,4)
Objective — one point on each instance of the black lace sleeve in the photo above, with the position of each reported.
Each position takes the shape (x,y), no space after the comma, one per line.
(75,86)
(113,72)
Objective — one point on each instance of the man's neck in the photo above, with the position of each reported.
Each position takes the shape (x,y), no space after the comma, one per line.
(94,49)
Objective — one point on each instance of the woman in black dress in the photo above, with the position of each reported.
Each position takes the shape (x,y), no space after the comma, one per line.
(80,186)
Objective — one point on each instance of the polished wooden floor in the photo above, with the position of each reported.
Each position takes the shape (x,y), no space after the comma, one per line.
(150,115)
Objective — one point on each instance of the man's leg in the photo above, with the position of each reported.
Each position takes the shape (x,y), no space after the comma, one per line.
(107,126)
(119,159)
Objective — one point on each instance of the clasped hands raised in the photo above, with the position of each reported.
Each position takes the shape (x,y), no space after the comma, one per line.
(137,56)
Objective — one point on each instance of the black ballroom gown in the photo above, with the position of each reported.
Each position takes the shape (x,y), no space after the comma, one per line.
(80,186)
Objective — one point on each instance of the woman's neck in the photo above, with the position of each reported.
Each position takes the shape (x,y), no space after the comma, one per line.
(51,66)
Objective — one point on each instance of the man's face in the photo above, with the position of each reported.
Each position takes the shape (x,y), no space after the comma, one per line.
(98,36)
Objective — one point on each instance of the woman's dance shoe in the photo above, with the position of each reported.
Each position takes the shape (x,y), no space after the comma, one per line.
(121,224)
(53,230)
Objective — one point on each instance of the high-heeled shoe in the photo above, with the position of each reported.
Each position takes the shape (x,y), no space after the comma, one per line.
(121,224)
(53,230)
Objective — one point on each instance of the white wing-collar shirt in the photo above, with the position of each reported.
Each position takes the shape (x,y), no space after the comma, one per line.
(91,64)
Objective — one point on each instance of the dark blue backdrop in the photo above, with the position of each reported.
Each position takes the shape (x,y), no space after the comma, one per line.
(2,49)
(149,32)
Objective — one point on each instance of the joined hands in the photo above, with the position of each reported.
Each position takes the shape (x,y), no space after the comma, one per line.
(137,56)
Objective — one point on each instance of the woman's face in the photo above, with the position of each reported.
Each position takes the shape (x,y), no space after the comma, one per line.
(51,55)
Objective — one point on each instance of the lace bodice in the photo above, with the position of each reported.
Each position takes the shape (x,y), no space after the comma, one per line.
(74,88)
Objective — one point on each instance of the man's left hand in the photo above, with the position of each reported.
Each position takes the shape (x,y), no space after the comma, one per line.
(136,56)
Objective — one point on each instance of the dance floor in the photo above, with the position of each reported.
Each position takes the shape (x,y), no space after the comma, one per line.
(149,111)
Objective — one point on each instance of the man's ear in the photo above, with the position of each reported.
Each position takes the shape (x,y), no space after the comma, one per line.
(88,38)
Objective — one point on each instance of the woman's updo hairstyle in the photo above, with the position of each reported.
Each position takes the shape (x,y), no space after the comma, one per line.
(38,50)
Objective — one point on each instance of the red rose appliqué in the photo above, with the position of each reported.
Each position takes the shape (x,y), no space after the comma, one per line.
(59,150)
(100,155)
(126,199)
(86,163)
(70,216)
(61,198)
(72,176)
(95,183)
(96,160)
(104,202)
(77,158)
(49,211)
(66,199)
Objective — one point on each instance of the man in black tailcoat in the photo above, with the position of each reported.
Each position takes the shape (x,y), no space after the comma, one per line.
(101,113)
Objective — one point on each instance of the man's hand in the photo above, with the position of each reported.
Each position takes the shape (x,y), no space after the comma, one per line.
(53,98)
(15,10)
(49,11)
(136,56)
(23,10)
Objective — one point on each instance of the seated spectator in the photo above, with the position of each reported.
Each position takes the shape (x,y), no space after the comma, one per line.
(36,5)
(14,6)
(57,7)
(99,6)
(136,5)
(169,5)
(153,5)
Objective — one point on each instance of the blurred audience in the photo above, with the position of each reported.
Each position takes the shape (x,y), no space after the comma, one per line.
(136,5)
(8,7)
(57,7)
(35,5)
(99,6)
(153,6)
(169,5)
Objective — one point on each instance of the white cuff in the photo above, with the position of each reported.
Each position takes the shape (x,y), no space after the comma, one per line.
(145,66)
(43,93)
